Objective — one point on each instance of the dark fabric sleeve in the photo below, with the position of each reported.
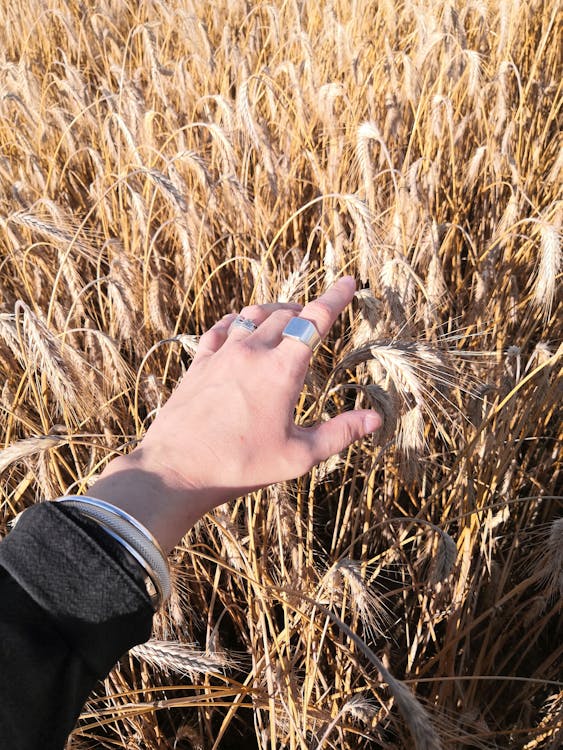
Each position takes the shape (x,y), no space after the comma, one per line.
(71,603)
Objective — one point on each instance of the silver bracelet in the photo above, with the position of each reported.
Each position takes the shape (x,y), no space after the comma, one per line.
(133,536)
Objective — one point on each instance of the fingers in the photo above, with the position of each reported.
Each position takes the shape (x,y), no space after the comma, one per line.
(322,312)
(213,339)
(258,314)
(272,318)
(269,334)
(261,312)
(329,438)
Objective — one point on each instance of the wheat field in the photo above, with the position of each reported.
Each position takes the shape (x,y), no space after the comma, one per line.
(165,162)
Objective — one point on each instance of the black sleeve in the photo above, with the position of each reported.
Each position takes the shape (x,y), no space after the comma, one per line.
(71,603)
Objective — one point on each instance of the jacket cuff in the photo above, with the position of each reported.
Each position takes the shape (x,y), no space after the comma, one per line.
(93,595)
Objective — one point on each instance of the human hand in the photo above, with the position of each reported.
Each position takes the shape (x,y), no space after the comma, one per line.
(229,426)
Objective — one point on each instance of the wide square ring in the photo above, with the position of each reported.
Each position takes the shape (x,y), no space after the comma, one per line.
(304,331)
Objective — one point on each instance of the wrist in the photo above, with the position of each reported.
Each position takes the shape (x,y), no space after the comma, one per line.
(142,485)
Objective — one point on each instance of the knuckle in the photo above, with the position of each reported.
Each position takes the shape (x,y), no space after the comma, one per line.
(241,353)
(301,456)
(322,311)
(298,365)
(349,434)
(208,336)
(283,315)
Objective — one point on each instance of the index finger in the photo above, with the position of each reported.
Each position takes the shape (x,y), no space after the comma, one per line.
(323,311)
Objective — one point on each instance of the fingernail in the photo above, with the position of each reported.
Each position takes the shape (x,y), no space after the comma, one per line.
(372,421)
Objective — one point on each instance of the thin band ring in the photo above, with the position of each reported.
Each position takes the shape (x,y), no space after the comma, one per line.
(304,331)
(244,323)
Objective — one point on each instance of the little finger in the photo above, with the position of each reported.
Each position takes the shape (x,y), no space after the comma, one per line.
(214,338)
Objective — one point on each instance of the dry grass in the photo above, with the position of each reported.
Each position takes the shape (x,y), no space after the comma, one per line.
(163,163)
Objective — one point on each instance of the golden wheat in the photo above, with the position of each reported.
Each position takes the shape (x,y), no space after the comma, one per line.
(163,164)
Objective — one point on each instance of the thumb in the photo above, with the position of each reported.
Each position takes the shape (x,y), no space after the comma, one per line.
(338,433)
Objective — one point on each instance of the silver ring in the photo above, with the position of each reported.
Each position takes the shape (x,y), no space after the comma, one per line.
(302,330)
(245,323)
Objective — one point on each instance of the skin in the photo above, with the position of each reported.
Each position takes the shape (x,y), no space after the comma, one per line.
(228,428)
